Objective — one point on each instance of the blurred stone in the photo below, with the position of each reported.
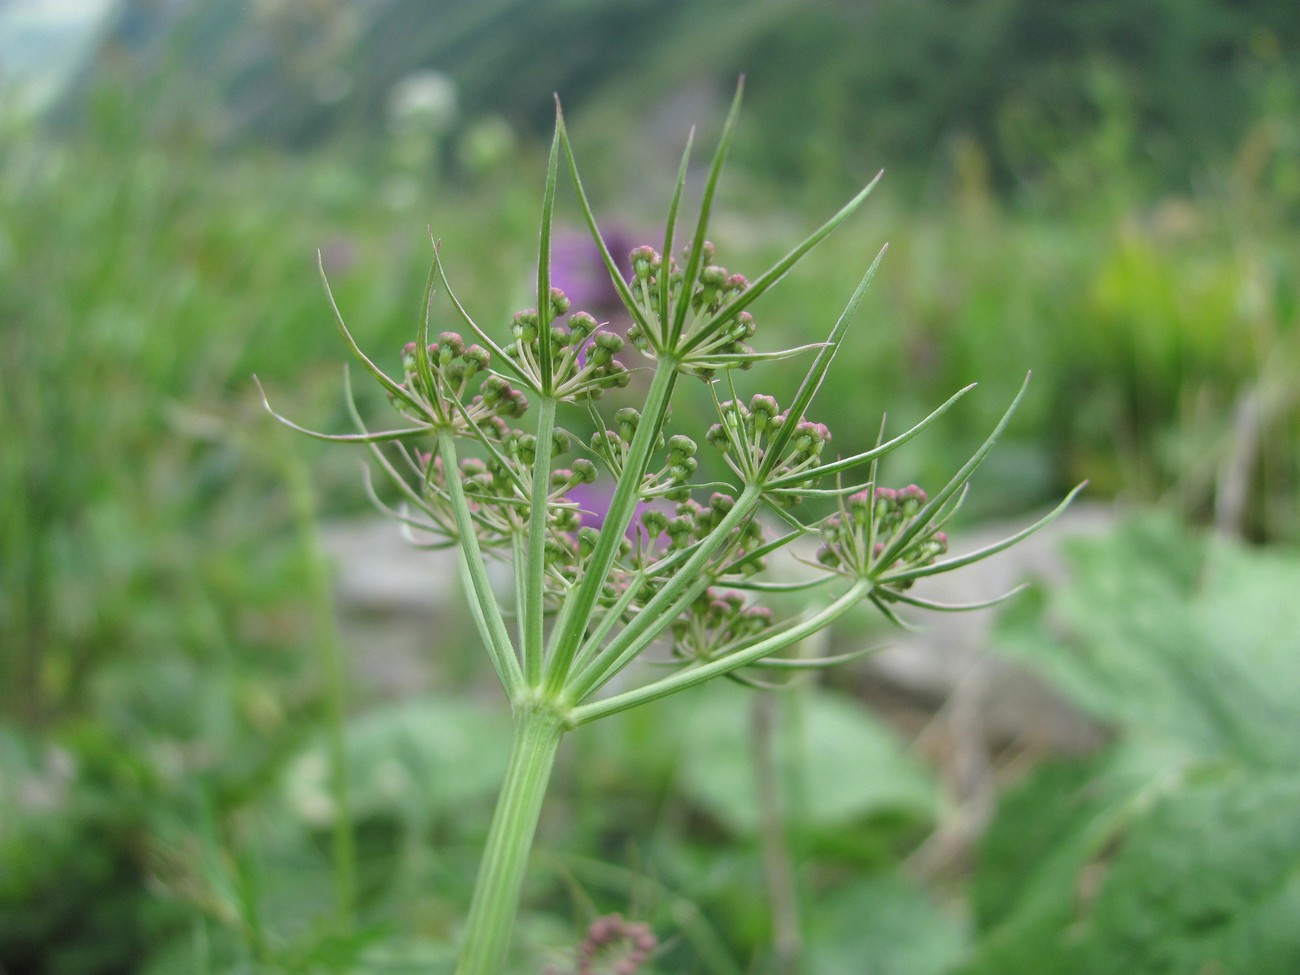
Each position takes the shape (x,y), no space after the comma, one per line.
(390,597)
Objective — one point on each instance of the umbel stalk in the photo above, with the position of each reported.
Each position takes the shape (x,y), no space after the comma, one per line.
(486,937)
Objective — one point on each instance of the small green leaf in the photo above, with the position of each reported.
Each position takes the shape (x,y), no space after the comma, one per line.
(670,229)
(812,381)
(947,565)
(392,387)
(933,507)
(385,436)
(696,257)
(499,354)
(545,361)
(872,455)
(615,273)
(759,286)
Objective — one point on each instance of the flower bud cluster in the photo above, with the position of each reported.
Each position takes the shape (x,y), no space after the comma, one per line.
(855,540)
(744,434)
(453,369)
(715,621)
(672,481)
(711,290)
(583,363)
(613,946)
(693,522)
(651,556)
(497,499)
(612,445)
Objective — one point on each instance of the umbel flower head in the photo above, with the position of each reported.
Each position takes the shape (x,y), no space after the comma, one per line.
(486,461)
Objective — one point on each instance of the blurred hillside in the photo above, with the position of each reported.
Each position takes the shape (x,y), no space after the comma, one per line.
(833,86)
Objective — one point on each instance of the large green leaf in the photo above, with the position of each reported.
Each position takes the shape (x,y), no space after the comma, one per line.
(1209,881)
(1187,639)
(841,763)
(1178,849)
(881,926)
(1048,831)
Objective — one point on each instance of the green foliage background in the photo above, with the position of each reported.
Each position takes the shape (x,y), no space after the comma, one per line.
(1104,192)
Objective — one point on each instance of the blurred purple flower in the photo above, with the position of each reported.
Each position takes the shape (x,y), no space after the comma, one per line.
(593,501)
(578,270)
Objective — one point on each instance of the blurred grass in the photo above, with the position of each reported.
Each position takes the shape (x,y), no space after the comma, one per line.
(148,280)
(156,596)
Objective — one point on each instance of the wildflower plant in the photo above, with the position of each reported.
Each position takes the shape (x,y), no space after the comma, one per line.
(484,463)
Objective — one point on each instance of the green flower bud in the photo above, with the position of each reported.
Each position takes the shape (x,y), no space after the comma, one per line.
(581,325)
(565,519)
(645,261)
(557,553)
(680,530)
(607,442)
(628,420)
(524,326)
(682,445)
(409,360)
(617,375)
(494,390)
(684,468)
(477,358)
(559,302)
(611,341)
(886,503)
(910,500)
(455,372)
(763,406)
(449,346)
(655,522)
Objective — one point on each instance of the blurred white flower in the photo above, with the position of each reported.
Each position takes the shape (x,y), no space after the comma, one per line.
(423,99)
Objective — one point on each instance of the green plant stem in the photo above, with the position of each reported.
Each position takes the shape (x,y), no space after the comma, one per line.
(752,653)
(576,612)
(648,623)
(538,729)
(532,598)
(486,609)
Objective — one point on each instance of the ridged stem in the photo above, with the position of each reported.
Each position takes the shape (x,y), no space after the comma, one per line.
(492,912)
